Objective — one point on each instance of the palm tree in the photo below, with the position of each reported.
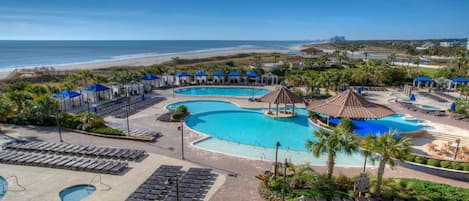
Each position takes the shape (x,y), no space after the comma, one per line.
(339,139)
(276,55)
(462,60)
(417,62)
(389,147)
(20,98)
(6,108)
(391,58)
(85,75)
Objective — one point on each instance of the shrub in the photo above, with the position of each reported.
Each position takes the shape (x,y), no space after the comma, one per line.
(180,112)
(106,131)
(445,164)
(456,165)
(421,160)
(346,124)
(410,158)
(433,162)
(465,166)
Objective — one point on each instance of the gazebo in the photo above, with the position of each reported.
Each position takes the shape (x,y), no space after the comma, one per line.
(252,76)
(456,80)
(269,79)
(234,77)
(200,77)
(218,77)
(150,81)
(350,105)
(182,78)
(279,96)
(99,92)
(70,96)
(419,80)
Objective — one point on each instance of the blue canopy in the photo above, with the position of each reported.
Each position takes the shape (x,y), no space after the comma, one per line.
(412,97)
(452,107)
(182,74)
(252,74)
(460,79)
(67,94)
(218,73)
(200,74)
(234,74)
(96,87)
(423,79)
(150,77)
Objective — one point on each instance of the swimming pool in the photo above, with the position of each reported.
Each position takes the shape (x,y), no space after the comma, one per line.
(223,91)
(231,126)
(76,193)
(3,187)
(430,107)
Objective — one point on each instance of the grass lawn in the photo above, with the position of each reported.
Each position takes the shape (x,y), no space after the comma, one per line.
(429,71)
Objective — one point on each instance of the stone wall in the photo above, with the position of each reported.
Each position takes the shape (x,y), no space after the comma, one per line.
(442,172)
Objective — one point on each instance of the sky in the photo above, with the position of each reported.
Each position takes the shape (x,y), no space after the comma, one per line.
(232,19)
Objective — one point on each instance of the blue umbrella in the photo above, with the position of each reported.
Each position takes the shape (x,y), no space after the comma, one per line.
(453,107)
(412,97)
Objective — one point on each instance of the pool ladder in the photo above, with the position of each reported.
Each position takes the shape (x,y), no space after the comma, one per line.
(108,187)
(21,188)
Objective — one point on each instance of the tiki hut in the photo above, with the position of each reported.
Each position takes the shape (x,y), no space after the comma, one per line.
(350,105)
(281,96)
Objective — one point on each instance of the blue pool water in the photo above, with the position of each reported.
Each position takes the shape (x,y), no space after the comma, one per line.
(76,193)
(222,91)
(226,121)
(3,187)
(430,107)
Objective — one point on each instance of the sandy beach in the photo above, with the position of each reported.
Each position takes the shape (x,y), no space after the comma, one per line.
(143,61)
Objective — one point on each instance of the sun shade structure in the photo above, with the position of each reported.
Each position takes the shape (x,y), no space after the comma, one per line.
(200,73)
(252,74)
(234,74)
(150,77)
(182,74)
(96,87)
(350,105)
(284,96)
(67,94)
(426,80)
(67,98)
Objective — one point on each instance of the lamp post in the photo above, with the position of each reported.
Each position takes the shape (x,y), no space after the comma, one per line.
(284,179)
(127,114)
(180,128)
(458,141)
(59,129)
(276,156)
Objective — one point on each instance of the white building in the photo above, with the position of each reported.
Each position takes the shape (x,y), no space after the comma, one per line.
(447,44)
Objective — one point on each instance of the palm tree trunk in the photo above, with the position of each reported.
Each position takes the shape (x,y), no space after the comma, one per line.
(379,179)
(330,166)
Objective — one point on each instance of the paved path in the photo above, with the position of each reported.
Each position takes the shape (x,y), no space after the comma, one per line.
(240,188)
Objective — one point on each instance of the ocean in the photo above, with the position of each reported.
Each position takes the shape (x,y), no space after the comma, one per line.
(23,54)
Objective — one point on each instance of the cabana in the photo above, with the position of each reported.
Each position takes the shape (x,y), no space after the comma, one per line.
(97,92)
(150,82)
(454,82)
(200,77)
(269,79)
(68,99)
(252,77)
(441,83)
(234,77)
(133,88)
(218,77)
(426,80)
(349,104)
(281,96)
(182,78)
(166,80)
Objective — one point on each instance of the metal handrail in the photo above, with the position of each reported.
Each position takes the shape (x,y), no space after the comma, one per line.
(100,182)
(22,188)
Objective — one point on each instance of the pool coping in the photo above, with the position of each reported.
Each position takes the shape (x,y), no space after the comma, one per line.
(77,185)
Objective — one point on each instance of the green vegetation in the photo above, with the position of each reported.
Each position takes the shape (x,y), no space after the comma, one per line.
(90,122)
(315,185)
(438,163)
(180,112)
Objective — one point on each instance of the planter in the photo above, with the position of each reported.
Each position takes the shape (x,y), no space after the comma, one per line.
(442,172)
(123,137)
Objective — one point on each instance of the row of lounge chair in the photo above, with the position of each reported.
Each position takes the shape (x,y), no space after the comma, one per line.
(412,107)
(134,131)
(375,89)
(445,95)
(254,100)
(432,96)
(74,149)
(161,185)
(63,162)
(461,118)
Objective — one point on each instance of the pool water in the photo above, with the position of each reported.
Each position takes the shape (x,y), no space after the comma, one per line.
(76,193)
(430,107)
(400,96)
(3,187)
(227,121)
(223,91)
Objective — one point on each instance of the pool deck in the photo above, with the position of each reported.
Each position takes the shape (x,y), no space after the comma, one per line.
(166,150)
